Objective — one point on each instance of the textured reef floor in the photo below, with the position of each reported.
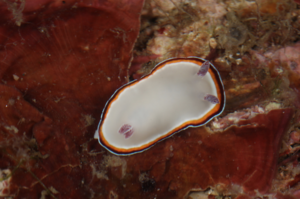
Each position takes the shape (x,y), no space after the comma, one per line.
(60,61)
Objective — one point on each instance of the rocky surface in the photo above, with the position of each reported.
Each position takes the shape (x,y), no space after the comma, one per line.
(60,61)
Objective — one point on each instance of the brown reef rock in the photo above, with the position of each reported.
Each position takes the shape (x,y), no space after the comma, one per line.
(60,61)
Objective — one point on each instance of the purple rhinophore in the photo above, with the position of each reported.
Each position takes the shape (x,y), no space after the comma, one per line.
(128,133)
(204,68)
(212,99)
(125,128)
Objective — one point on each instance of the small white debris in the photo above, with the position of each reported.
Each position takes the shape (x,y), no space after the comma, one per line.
(12,128)
(213,43)
(53,190)
(16,77)
(272,106)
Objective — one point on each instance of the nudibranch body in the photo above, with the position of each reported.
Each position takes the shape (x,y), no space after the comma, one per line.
(177,94)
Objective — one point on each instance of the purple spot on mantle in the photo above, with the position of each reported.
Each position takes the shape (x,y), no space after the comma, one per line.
(127,130)
(211,98)
(128,133)
(204,68)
